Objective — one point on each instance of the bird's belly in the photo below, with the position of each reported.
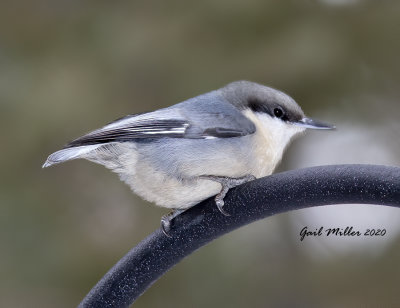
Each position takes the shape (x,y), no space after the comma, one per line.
(168,175)
(170,192)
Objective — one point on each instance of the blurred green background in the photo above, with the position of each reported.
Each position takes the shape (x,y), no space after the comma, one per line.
(67,67)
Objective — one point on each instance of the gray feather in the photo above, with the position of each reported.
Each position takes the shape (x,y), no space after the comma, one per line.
(205,116)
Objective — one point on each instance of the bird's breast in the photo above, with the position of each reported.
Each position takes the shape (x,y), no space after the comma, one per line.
(266,151)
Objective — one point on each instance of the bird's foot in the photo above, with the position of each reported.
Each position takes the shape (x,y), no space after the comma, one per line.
(226,183)
(166,221)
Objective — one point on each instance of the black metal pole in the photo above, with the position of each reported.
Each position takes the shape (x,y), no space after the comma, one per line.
(297,189)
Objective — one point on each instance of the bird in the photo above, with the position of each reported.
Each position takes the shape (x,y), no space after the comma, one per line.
(180,155)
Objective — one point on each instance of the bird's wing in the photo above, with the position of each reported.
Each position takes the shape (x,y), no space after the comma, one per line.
(173,122)
(198,118)
(136,126)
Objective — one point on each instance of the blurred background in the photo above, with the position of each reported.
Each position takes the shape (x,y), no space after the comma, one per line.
(67,67)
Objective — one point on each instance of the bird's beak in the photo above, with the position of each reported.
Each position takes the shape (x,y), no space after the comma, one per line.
(314,124)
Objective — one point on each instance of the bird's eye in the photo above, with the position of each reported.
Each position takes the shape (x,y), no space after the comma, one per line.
(278,112)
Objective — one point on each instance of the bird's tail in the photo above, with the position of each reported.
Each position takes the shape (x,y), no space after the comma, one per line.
(69,154)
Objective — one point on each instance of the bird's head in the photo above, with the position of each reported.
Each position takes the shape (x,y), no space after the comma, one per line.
(279,115)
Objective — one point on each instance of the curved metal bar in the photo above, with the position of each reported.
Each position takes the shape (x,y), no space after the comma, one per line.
(278,193)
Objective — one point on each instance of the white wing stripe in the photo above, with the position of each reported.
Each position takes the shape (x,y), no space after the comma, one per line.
(159,115)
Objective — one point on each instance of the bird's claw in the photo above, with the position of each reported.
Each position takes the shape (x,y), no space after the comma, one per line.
(220,205)
(166,225)
(166,221)
(226,184)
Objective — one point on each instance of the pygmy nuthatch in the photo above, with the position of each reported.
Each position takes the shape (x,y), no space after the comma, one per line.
(183,154)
